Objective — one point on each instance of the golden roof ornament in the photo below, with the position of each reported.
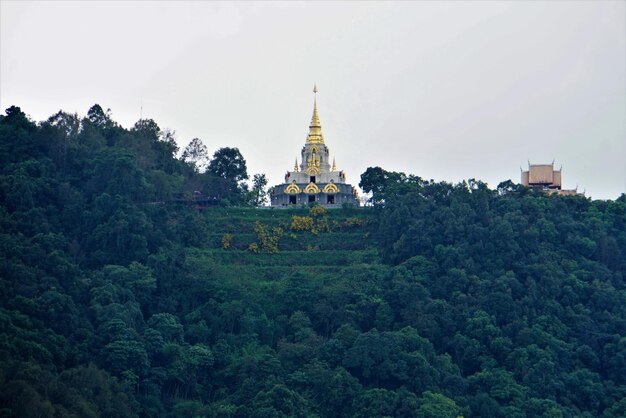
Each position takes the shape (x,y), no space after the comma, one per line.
(330,188)
(295,167)
(334,165)
(315,128)
(311,188)
(292,188)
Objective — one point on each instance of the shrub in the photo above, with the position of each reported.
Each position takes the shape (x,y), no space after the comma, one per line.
(268,240)
(301,223)
(226,239)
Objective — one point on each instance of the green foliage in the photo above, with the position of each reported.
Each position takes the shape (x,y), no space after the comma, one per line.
(436,405)
(228,163)
(443,300)
(226,174)
(258,194)
(196,154)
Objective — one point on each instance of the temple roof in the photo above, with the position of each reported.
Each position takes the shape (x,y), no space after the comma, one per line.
(315,128)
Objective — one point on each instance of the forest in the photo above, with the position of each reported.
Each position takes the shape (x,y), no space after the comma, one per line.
(139,281)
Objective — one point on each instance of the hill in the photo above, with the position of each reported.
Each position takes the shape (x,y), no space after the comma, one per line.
(442,300)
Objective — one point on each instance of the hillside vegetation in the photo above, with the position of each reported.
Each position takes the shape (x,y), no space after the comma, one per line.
(122,296)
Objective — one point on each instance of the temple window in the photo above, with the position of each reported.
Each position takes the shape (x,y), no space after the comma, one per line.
(312,179)
(292,200)
(330,199)
(311,198)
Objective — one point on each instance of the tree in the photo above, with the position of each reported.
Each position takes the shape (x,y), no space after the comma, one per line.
(67,124)
(18,139)
(380,182)
(258,194)
(375,402)
(168,325)
(228,163)
(225,175)
(18,119)
(98,117)
(196,154)
(373,181)
(61,129)
(506,187)
(147,128)
(117,172)
(279,401)
(165,150)
(435,405)
(127,355)
(618,409)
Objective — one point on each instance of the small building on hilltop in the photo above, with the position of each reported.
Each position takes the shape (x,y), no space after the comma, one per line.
(546,178)
(314,180)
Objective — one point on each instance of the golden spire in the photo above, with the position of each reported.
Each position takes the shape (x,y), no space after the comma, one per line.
(334,165)
(315,128)
(295,167)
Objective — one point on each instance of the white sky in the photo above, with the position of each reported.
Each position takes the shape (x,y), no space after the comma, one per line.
(443,90)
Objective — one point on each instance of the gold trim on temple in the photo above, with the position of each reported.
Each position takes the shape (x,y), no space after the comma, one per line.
(311,188)
(292,189)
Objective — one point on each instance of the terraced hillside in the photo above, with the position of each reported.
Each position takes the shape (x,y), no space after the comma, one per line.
(348,229)
(304,263)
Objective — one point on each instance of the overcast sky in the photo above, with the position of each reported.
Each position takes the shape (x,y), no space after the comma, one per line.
(444,90)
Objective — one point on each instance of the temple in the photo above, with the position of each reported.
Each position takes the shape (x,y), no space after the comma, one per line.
(314,180)
(545,178)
